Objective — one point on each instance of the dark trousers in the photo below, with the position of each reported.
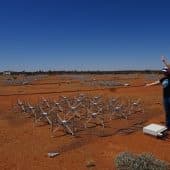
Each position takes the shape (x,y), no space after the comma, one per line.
(167,111)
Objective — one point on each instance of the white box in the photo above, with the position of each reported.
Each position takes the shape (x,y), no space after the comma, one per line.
(154,129)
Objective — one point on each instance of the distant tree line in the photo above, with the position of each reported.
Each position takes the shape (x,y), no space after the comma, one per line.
(50,72)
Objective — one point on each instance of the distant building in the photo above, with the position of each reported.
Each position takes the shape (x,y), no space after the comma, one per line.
(5,73)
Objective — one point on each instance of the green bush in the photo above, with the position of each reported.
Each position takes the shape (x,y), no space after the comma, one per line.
(129,161)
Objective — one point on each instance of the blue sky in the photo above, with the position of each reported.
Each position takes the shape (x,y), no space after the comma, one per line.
(83,34)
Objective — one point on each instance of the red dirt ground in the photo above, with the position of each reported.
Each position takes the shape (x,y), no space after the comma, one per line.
(24,146)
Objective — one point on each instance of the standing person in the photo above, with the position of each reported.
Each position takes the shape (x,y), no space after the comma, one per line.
(165,82)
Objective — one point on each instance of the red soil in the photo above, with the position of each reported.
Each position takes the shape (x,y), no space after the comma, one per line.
(24,146)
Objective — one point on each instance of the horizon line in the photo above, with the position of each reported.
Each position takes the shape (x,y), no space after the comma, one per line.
(48,71)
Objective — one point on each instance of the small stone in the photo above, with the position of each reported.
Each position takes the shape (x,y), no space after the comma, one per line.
(52,154)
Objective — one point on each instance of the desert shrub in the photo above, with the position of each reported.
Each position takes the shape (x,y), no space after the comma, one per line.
(14,77)
(129,161)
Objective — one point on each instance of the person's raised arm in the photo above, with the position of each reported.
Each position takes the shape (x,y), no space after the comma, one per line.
(153,83)
(165,61)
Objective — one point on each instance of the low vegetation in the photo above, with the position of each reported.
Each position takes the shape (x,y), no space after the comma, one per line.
(145,161)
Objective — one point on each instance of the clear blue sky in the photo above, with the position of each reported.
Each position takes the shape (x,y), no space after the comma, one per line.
(83,34)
